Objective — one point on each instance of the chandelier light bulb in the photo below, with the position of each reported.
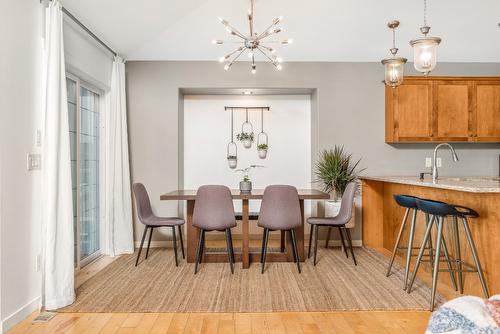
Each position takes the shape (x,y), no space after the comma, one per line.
(254,69)
(228,66)
(279,67)
(217,41)
(277,20)
(222,59)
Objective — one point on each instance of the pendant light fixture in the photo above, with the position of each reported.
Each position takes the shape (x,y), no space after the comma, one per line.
(425,48)
(394,67)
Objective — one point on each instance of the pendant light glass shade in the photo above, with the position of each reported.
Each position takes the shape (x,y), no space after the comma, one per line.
(394,71)
(425,53)
(425,48)
(394,67)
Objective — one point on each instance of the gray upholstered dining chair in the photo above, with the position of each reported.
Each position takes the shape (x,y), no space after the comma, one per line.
(280,210)
(214,211)
(338,221)
(151,221)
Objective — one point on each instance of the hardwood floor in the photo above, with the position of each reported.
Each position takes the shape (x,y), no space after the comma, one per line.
(238,323)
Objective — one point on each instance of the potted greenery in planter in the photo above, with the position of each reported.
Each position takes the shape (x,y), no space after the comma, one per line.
(262,150)
(246,138)
(334,170)
(232,160)
(246,184)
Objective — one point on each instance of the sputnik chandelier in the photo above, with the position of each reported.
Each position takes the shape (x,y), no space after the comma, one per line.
(253,42)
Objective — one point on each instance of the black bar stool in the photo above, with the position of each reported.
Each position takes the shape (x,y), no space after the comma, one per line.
(410,203)
(439,212)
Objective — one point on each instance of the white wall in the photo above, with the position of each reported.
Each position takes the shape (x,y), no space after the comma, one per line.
(207,133)
(20,110)
(86,58)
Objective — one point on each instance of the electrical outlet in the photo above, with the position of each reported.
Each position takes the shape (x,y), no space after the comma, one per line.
(438,162)
(34,161)
(38,263)
(428,162)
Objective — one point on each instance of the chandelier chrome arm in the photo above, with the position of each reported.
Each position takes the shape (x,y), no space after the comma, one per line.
(234,59)
(226,57)
(232,30)
(275,22)
(274,62)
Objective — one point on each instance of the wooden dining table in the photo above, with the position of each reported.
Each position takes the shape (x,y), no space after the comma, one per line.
(245,256)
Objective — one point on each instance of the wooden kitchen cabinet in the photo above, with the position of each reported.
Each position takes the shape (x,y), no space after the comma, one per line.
(409,112)
(439,109)
(487,122)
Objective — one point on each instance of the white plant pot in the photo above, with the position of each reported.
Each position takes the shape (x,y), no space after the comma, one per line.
(262,154)
(332,209)
(247,143)
(232,163)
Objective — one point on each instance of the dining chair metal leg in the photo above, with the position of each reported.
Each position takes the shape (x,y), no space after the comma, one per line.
(458,256)
(311,232)
(349,241)
(316,232)
(475,257)
(328,234)
(142,244)
(425,240)
(408,251)
(149,241)
(229,257)
(282,241)
(202,254)
(175,246)
(396,244)
(264,250)
(232,246)
(295,252)
(439,241)
(263,245)
(198,252)
(343,241)
(182,241)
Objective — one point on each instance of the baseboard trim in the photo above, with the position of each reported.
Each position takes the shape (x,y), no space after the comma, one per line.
(19,315)
(169,243)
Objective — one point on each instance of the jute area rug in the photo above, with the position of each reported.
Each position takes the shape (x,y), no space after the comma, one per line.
(156,285)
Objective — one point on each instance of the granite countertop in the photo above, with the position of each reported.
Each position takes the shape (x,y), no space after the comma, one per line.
(475,184)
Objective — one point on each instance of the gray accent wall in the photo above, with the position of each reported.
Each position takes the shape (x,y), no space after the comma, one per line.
(347,109)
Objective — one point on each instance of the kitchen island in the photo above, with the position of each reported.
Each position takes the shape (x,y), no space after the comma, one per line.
(382,218)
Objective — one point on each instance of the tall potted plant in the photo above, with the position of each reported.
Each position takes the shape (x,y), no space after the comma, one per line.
(334,170)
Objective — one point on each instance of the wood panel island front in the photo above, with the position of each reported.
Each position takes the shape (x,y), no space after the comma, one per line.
(382,218)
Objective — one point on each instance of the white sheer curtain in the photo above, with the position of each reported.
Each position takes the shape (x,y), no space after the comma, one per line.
(118,227)
(57,207)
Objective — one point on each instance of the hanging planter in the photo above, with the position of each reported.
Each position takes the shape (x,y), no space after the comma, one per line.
(246,137)
(262,150)
(232,149)
(262,140)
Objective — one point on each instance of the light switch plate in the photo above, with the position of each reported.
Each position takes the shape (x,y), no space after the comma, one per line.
(34,161)
(428,162)
(438,162)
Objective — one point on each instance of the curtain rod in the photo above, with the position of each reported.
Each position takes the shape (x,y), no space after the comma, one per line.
(87,30)
(71,16)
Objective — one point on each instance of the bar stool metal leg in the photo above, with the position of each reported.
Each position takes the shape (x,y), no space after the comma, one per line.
(429,244)
(475,256)
(458,256)
(396,245)
(425,240)
(439,239)
(410,247)
(448,263)
(316,230)
(310,241)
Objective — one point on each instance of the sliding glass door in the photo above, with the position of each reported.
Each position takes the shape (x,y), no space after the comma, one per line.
(84,130)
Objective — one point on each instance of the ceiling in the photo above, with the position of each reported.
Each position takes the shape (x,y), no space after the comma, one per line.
(322,30)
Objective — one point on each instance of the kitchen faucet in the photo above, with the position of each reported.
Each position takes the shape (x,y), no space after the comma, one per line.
(434,160)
